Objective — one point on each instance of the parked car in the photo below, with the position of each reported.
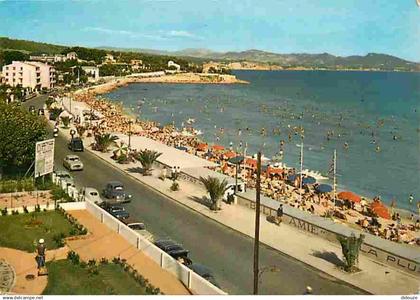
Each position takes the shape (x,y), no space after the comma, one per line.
(76,144)
(41,112)
(32,109)
(114,190)
(116,210)
(173,249)
(73,163)
(90,194)
(65,176)
(121,214)
(140,228)
(204,272)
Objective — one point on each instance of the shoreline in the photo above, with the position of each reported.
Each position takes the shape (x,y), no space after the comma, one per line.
(404,212)
(180,78)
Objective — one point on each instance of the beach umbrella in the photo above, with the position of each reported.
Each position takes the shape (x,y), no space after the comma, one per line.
(323,188)
(229,154)
(182,148)
(274,171)
(236,160)
(291,178)
(308,180)
(251,162)
(380,210)
(202,147)
(350,196)
(217,148)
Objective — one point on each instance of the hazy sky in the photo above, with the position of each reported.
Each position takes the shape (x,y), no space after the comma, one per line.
(341,27)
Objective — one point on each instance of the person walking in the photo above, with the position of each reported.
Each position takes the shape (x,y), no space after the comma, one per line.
(40,257)
(279,214)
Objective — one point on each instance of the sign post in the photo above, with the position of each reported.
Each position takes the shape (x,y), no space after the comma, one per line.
(44,157)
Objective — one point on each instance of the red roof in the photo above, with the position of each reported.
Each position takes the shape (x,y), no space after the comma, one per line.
(251,162)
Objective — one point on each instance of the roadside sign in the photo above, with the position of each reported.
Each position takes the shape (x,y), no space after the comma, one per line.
(44,157)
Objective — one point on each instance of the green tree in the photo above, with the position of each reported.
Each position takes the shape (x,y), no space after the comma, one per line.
(104,141)
(19,131)
(350,246)
(216,189)
(147,158)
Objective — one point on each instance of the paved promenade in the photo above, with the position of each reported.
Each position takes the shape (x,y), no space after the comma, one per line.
(374,278)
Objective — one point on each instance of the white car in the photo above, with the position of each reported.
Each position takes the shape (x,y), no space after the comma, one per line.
(140,229)
(73,163)
(90,194)
(65,176)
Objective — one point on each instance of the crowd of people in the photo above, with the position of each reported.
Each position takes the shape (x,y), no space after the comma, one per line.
(275,181)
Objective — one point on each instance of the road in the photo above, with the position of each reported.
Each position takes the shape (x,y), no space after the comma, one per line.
(228,253)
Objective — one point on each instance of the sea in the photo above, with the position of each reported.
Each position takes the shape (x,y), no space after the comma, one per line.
(371,119)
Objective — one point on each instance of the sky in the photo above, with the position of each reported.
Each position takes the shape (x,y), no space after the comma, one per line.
(339,27)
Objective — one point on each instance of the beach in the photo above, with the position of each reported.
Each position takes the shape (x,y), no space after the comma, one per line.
(160,77)
(276,179)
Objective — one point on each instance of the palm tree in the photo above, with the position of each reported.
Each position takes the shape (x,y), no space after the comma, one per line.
(147,158)
(350,246)
(216,189)
(104,141)
(66,121)
(80,130)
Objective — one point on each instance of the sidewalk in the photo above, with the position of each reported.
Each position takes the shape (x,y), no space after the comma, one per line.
(374,277)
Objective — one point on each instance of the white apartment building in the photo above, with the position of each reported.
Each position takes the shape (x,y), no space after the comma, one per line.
(31,75)
(92,73)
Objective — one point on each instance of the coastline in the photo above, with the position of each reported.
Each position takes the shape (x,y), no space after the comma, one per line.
(180,78)
(405,213)
(112,85)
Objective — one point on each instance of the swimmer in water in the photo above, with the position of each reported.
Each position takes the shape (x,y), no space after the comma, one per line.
(346,145)
(378,148)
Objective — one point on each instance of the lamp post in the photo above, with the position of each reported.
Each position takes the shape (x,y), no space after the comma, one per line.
(72,133)
(257,226)
(129,134)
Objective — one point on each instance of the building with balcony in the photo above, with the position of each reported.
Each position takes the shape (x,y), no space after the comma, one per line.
(29,74)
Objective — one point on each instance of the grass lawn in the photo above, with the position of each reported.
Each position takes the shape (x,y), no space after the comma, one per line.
(23,230)
(66,278)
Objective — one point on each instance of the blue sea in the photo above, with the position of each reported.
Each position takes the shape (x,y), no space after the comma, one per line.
(377,114)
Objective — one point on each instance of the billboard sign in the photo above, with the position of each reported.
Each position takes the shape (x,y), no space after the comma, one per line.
(44,157)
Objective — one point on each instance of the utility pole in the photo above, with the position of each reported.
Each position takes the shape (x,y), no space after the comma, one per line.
(257,226)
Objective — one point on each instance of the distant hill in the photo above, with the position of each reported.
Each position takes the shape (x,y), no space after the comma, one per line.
(323,60)
(29,46)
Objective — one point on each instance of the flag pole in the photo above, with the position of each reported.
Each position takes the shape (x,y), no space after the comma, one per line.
(301,170)
(335,177)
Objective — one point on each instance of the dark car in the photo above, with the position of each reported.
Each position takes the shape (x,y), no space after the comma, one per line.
(76,144)
(32,109)
(172,248)
(115,190)
(41,112)
(120,214)
(204,272)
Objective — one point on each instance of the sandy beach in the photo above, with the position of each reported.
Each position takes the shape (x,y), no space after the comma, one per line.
(361,213)
(180,78)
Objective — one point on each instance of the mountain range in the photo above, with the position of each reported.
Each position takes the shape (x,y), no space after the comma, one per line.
(323,60)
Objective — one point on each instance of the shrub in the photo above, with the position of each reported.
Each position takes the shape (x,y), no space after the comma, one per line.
(175,186)
(25,209)
(4,211)
(73,257)
(104,261)
(37,208)
(15,212)
(59,239)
